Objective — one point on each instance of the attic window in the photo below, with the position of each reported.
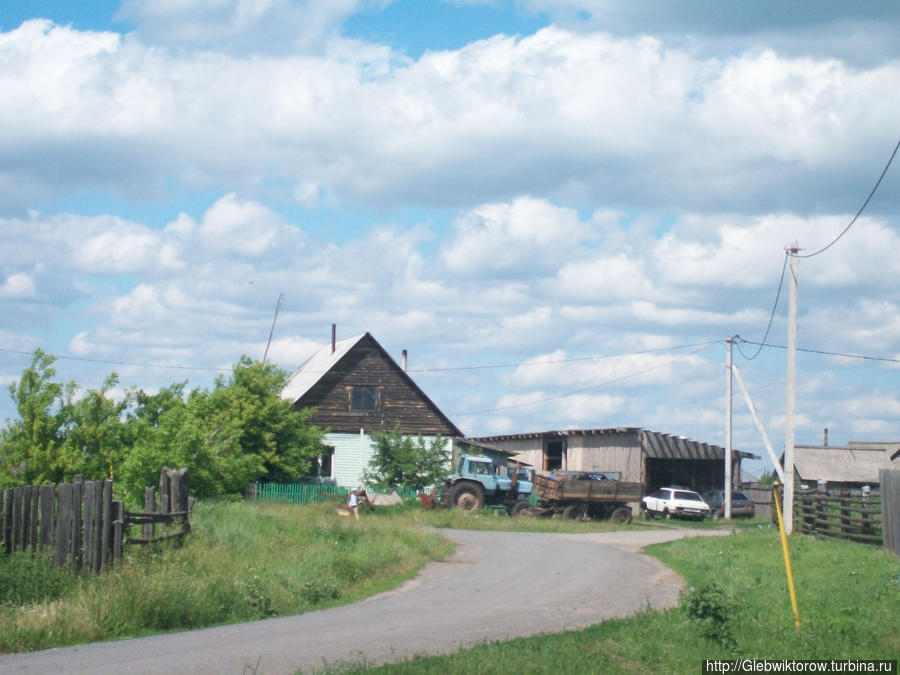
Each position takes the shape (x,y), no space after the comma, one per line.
(362,399)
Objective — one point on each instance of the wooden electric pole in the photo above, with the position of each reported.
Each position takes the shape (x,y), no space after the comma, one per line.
(728,430)
(788,507)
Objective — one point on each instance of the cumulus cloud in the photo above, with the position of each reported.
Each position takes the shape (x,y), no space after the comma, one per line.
(494,119)
(18,286)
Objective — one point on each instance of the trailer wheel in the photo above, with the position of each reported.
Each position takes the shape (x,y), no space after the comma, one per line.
(573,512)
(621,516)
(521,508)
(466,497)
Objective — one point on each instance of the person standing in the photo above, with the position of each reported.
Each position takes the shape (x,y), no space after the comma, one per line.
(353,504)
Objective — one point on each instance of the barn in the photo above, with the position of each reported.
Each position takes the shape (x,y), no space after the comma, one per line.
(638,455)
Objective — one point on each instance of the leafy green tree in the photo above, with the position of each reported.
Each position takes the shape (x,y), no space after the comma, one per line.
(30,445)
(400,461)
(95,430)
(236,433)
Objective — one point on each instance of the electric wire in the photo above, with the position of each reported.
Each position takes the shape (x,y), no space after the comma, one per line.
(771,316)
(863,357)
(861,208)
(119,363)
(584,389)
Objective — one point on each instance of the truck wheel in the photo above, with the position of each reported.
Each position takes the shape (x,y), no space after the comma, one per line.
(573,512)
(621,516)
(521,508)
(466,497)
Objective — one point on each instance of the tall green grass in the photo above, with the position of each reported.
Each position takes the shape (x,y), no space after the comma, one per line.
(735,605)
(241,562)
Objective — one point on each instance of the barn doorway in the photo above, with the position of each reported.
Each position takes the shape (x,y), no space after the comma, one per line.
(555,455)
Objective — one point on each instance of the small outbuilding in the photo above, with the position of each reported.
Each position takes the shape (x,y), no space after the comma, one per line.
(838,468)
(637,455)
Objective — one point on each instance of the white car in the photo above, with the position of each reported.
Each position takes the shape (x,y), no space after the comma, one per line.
(670,502)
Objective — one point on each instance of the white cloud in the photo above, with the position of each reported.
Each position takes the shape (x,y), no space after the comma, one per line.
(481,124)
(526,235)
(242,227)
(19,286)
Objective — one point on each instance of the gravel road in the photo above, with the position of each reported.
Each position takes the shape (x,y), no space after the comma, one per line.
(478,594)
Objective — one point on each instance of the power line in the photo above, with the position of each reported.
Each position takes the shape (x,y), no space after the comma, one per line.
(861,208)
(772,315)
(119,363)
(576,359)
(822,352)
(584,389)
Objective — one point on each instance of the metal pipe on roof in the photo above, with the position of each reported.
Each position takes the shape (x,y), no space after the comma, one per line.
(403,360)
(333,337)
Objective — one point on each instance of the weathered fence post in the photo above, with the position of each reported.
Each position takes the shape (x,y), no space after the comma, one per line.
(77,521)
(118,523)
(890,508)
(165,505)
(6,524)
(48,507)
(66,493)
(148,529)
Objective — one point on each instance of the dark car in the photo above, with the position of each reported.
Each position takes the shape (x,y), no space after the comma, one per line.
(741,505)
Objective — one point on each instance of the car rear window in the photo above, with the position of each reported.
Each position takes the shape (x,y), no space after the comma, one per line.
(684,494)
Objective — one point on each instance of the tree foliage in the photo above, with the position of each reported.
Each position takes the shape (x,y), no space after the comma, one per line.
(228,436)
(400,461)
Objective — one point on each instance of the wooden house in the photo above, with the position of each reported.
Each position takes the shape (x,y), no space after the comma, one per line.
(356,388)
(636,455)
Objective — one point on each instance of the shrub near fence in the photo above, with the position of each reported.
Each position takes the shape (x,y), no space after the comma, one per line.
(82,523)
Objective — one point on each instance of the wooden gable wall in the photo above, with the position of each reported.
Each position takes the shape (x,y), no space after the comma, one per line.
(399,401)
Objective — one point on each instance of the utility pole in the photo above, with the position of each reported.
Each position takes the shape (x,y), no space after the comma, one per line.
(728,430)
(272,329)
(788,508)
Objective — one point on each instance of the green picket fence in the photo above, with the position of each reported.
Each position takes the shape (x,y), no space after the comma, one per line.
(309,493)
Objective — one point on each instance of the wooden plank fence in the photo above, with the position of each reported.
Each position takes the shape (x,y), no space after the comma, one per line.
(81,522)
(890,490)
(844,516)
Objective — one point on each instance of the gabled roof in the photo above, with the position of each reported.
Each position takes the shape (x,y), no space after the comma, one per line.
(854,464)
(316,366)
(323,361)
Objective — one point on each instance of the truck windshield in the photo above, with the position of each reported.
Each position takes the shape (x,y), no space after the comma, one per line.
(481,468)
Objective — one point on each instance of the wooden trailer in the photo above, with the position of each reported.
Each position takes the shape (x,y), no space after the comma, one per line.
(581,494)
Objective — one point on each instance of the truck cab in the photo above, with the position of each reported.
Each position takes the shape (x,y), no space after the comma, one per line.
(477,480)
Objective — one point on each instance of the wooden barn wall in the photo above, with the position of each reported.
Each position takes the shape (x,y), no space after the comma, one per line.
(528,450)
(398,401)
(606,452)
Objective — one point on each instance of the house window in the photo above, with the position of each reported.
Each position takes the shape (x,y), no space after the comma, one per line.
(362,399)
(326,462)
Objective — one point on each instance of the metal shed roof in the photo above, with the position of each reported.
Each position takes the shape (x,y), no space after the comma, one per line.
(841,465)
(653,443)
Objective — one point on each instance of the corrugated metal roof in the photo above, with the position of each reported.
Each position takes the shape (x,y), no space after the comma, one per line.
(561,433)
(840,465)
(663,446)
(315,367)
(653,443)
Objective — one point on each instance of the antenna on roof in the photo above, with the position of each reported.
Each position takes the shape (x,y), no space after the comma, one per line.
(272,330)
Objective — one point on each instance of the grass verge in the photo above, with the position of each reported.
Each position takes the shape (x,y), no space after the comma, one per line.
(242,562)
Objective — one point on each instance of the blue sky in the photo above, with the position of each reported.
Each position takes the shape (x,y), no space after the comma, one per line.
(561,208)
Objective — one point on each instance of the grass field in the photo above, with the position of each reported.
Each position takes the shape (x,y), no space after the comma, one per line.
(248,561)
